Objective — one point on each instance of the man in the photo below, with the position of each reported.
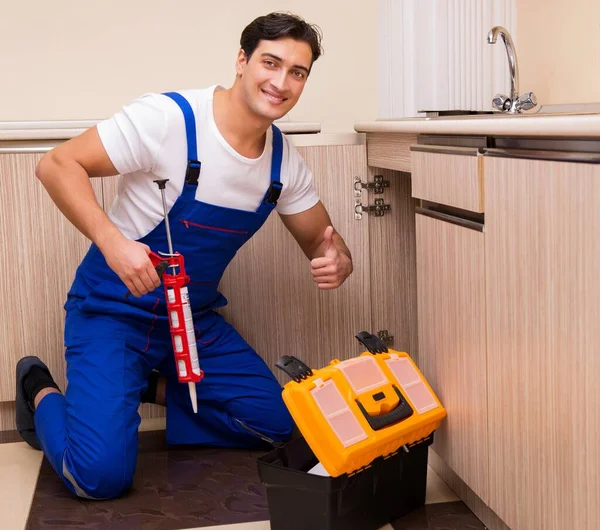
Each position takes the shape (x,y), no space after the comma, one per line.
(229,167)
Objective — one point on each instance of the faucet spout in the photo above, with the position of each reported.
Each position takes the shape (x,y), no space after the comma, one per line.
(512,58)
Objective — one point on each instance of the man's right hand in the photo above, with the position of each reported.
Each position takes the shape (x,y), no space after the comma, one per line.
(130,262)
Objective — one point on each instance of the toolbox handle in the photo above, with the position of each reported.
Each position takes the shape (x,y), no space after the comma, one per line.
(372,342)
(400,412)
(293,367)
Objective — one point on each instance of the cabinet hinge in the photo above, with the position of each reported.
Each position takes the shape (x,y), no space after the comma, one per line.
(379,207)
(377,185)
(386,337)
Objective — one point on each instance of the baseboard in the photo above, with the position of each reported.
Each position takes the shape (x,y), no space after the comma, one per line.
(153,424)
(483,512)
(153,417)
(7,416)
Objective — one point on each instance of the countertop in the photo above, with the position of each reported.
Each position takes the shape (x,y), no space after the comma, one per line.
(41,136)
(63,130)
(585,124)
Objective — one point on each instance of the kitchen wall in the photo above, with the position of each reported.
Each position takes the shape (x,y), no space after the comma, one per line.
(558,44)
(73,59)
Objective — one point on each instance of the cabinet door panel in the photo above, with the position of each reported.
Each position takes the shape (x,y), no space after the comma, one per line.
(273,300)
(40,252)
(452,348)
(543,315)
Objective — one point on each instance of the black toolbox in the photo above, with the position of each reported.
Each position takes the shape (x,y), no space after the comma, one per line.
(365,500)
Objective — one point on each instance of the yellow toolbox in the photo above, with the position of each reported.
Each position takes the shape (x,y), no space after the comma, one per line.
(352,412)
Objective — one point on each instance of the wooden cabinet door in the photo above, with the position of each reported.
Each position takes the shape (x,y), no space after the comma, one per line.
(542,249)
(273,301)
(40,251)
(452,348)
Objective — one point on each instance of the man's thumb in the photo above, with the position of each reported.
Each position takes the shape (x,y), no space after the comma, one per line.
(328,238)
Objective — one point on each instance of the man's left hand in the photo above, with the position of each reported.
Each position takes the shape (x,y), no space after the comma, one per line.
(331,270)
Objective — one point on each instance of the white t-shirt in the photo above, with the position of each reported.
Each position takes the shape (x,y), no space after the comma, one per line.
(146,141)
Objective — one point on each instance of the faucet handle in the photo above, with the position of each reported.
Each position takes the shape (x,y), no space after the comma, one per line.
(526,101)
(501,102)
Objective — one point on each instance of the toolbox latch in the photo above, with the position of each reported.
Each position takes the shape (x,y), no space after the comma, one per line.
(295,368)
(402,411)
(373,343)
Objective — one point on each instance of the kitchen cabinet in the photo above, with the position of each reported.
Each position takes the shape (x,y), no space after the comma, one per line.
(40,252)
(508,332)
(450,275)
(452,342)
(508,317)
(274,302)
(542,256)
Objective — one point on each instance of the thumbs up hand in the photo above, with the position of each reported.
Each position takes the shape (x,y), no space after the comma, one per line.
(331,270)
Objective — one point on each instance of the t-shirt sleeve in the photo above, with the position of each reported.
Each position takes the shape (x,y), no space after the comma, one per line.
(133,136)
(299,194)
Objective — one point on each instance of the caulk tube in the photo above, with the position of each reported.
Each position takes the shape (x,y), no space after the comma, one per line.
(192,346)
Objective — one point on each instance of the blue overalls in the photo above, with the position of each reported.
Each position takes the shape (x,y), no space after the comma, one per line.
(89,435)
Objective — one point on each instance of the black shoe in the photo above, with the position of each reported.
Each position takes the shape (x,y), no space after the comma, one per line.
(24,403)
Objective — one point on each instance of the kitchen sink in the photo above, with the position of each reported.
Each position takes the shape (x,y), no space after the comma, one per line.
(568,109)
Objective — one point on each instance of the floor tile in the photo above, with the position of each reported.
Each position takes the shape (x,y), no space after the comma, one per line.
(437,490)
(7,437)
(258,525)
(174,488)
(440,516)
(193,488)
(19,468)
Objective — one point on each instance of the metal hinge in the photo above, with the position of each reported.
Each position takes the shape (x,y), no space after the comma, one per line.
(386,337)
(379,208)
(377,185)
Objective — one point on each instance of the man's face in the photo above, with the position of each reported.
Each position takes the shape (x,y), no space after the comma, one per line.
(274,77)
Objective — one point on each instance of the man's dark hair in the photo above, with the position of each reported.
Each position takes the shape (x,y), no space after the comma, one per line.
(279,26)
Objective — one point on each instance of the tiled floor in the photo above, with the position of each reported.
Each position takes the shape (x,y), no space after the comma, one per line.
(175,489)
(19,469)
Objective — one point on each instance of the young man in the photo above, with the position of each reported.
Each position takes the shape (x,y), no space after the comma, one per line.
(228,168)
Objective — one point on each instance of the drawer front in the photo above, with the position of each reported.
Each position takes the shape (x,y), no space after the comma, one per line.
(390,151)
(448,178)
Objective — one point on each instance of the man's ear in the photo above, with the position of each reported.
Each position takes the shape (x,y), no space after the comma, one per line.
(241,62)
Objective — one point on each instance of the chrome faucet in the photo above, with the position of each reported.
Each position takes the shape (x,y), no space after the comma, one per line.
(514,103)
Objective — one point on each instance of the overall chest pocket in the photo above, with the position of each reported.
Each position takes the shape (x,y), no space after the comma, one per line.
(217,239)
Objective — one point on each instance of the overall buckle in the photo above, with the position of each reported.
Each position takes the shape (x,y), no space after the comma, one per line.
(273,192)
(192,172)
